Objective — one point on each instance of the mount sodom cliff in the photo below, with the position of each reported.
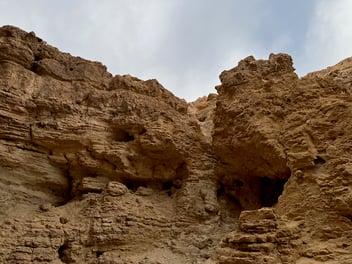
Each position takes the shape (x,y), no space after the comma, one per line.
(96,168)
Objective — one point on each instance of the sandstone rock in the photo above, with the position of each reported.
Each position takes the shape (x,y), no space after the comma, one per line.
(142,191)
(76,137)
(96,168)
(280,143)
(115,188)
(262,237)
(96,184)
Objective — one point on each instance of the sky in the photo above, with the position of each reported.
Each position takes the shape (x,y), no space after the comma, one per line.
(186,44)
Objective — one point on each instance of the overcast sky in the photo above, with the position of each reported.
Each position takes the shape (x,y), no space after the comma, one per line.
(186,44)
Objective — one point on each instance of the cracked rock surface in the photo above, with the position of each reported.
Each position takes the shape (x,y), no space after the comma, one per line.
(96,168)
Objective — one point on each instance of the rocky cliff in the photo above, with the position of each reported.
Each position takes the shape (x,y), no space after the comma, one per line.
(96,168)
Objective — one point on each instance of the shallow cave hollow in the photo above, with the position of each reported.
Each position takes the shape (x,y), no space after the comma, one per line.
(248,192)
(166,185)
(122,135)
(252,174)
(128,134)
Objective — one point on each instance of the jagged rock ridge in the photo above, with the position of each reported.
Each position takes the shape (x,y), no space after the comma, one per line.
(98,168)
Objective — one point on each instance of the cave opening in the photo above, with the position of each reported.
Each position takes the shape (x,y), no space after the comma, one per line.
(223,193)
(229,206)
(250,193)
(270,190)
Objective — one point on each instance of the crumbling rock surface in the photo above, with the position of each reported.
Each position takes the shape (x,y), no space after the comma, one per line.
(96,168)
(284,142)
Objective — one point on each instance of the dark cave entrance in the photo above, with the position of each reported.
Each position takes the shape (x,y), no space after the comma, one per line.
(270,190)
(253,172)
(250,193)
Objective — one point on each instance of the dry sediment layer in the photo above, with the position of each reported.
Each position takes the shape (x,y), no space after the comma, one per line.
(96,168)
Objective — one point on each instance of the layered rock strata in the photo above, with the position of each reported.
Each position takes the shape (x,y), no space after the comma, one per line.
(283,142)
(98,168)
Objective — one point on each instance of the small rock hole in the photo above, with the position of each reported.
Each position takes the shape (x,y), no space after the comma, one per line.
(319,160)
(123,136)
(63,220)
(202,118)
(99,253)
(143,131)
(64,253)
(167,185)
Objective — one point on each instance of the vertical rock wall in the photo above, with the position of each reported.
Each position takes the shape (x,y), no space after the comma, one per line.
(283,142)
(96,168)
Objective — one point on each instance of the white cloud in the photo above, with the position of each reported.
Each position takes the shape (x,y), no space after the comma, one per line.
(329,38)
(184,44)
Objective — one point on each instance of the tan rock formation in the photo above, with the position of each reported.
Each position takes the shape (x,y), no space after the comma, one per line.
(96,168)
(284,142)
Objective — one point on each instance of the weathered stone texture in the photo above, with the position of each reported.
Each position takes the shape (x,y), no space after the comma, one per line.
(96,168)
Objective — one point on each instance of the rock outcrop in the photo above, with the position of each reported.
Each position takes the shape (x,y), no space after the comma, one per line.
(96,168)
(283,142)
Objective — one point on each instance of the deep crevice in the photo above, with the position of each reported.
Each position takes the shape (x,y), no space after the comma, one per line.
(91,191)
(67,193)
(34,67)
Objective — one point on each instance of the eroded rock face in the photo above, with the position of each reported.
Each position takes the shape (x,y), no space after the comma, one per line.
(283,142)
(118,158)
(96,168)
